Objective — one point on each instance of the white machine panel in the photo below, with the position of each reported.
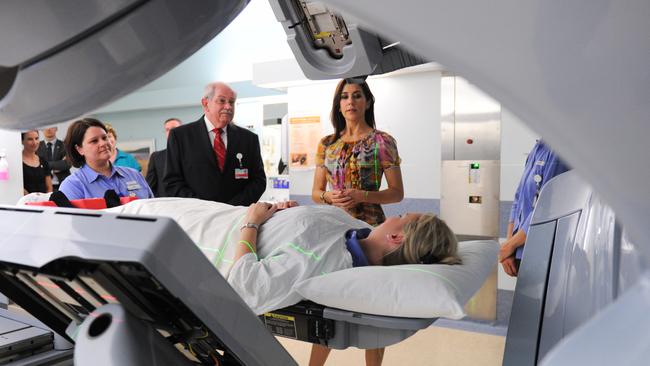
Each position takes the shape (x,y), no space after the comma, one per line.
(470,196)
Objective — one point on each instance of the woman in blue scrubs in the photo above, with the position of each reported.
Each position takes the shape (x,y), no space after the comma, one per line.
(88,148)
(542,164)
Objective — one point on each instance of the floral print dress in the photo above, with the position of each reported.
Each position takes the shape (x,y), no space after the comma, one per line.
(359,164)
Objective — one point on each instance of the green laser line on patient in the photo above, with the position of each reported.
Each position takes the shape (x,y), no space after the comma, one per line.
(220,252)
(220,255)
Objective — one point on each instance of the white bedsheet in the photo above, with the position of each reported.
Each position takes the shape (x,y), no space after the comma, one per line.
(295,244)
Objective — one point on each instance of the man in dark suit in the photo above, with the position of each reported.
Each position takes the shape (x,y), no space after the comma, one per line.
(157,161)
(214,159)
(53,150)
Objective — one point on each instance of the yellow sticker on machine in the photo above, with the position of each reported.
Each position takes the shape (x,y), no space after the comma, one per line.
(282,325)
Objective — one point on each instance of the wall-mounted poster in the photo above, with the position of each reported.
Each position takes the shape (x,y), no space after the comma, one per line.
(140,149)
(304,134)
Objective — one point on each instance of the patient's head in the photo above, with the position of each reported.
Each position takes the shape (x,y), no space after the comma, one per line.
(426,239)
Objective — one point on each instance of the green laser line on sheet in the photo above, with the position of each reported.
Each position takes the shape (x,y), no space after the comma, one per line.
(431,273)
(227,242)
(301,250)
(274,257)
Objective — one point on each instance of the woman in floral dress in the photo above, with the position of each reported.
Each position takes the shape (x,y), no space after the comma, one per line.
(351,162)
(350,165)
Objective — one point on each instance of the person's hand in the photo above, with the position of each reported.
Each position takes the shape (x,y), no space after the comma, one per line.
(340,199)
(509,266)
(259,212)
(356,196)
(506,251)
(286,204)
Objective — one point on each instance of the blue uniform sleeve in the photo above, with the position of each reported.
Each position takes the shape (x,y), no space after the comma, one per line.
(522,182)
(515,205)
(72,187)
(526,222)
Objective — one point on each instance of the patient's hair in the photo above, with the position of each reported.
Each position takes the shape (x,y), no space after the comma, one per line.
(427,240)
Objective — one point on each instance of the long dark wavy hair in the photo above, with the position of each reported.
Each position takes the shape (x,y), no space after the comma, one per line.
(338,121)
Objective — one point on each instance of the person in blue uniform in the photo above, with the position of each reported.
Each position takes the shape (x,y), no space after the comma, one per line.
(542,164)
(88,148)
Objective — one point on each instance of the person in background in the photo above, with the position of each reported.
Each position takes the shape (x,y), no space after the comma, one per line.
(36,171)
(120,158)
(352,162)
(156,169)
(542,164)
(88,148)
(51,149)
(214,159)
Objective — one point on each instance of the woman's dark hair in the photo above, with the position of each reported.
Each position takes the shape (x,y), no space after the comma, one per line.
(75,137)
(338,121)
(23,134)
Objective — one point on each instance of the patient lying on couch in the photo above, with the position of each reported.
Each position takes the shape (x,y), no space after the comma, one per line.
(264,249)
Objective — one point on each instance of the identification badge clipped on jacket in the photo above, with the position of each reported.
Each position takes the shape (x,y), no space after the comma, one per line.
(241,173)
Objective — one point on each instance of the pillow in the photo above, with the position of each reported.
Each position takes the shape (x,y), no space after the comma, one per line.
(413,290)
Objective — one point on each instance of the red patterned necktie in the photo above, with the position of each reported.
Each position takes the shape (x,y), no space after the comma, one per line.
(219,148)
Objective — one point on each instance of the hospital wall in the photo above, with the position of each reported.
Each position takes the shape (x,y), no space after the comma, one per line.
(140,115)
(408,108)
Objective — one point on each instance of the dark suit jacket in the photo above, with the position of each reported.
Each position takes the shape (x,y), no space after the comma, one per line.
(192,169)
(156,172)
(57,163)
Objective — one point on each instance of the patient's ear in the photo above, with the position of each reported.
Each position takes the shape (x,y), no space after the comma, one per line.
(395,239)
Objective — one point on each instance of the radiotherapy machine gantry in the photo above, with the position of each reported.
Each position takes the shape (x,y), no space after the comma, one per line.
(575,72)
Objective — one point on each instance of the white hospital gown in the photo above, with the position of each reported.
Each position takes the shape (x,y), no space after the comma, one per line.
(293,245)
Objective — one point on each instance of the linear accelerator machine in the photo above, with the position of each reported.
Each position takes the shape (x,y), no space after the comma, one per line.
(577,73)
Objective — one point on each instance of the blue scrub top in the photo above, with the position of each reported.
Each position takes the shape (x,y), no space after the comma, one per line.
(542,162)
(87,183)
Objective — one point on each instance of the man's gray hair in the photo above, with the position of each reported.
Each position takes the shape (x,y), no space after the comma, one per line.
(210,89)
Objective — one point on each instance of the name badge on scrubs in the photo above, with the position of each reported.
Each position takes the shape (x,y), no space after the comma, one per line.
(132,186)
(241,173)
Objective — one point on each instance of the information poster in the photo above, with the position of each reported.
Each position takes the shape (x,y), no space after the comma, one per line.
(304,134)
